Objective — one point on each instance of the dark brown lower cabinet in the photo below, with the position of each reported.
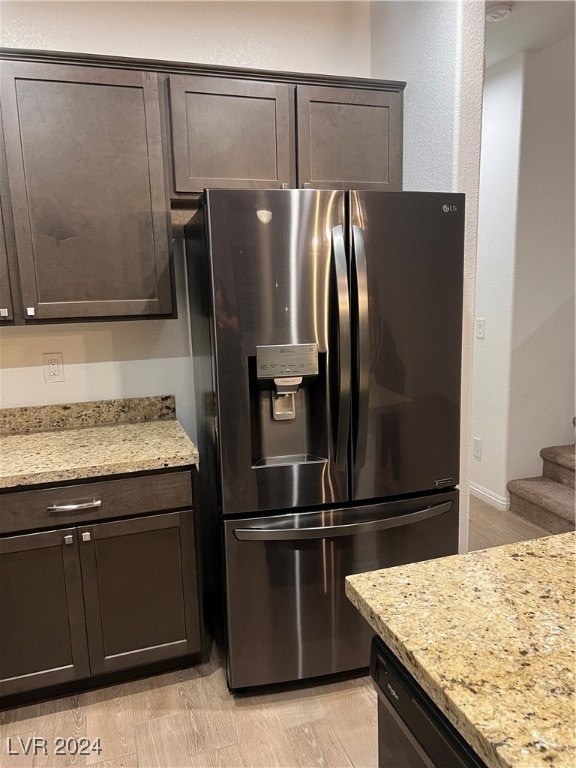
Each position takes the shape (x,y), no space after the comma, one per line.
(140,590)
(42,633)
(97,598)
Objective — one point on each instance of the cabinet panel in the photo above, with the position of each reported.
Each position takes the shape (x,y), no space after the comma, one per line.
(229,133)
(6,309)
(84,154)
(349,138)
(42,635)
(140,590)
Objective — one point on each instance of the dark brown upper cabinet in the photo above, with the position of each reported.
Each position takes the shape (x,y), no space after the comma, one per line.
(349,138)
(88,190)
(229,133)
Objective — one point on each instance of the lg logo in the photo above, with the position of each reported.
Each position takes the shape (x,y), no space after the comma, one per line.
(449,208)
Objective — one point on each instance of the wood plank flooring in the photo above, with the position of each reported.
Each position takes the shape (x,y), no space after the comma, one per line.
(489,527)
(188,718)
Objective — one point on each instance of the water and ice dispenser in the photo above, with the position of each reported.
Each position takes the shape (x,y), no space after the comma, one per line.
(287,397)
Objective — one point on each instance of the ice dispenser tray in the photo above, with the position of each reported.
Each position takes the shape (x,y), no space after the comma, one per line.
(285,384)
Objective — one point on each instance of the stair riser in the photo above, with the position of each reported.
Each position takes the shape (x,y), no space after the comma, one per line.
(538,515)
(559,474)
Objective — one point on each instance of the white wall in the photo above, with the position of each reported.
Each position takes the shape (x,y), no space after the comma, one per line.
(132,359)
(322,37)
(416,42)
(103,360)
(542,381)
(524,368)
(499,173)
(438,47)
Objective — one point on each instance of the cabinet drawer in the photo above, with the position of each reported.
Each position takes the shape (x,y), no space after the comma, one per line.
(26,510)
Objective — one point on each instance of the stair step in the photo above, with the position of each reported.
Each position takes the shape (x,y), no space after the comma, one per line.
(544,502)
(565,455)
(559,462)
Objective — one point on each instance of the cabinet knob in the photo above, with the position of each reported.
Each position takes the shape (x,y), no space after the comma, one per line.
(4,312)
(30,311)
(86,536)
(69,539)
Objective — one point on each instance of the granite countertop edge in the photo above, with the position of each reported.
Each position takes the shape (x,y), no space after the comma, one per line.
(431,684)
(381,596)
(65,455)
(25,482)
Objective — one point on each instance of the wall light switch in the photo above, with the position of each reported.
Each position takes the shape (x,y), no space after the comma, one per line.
(53,367)
(480,326)
(477,447)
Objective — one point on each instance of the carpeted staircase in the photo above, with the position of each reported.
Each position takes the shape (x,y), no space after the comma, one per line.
(549,500)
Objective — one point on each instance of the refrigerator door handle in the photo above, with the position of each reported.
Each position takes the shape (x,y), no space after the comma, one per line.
(329,531)
(344,353)
(359,253)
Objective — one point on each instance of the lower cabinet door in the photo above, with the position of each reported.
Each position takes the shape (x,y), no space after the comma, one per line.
(42,632)
(140,590)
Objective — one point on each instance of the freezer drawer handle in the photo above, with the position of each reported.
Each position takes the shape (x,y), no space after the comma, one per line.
(329,531)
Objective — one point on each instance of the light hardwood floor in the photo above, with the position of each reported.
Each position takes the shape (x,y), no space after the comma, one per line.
(490,527)
(188,718)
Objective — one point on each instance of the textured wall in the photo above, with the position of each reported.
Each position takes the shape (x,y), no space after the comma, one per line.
(542,380)
(524,368)
(131,359)
(437,47)
(499,172)
(417,42)
(324,37)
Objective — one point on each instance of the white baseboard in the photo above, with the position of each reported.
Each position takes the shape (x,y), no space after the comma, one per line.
(500,502)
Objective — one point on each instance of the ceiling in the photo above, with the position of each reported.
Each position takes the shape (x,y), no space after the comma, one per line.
(532,25)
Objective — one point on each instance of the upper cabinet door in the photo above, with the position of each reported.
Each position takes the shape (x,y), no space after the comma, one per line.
(349,138)
(6,310)
(87,186)
(229,133)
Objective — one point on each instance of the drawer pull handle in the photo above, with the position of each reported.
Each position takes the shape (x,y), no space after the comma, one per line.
(69,539)
(55,508)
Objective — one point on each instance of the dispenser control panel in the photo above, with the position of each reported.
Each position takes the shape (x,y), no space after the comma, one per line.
(279,360)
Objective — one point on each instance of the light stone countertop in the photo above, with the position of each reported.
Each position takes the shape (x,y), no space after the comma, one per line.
(77,452)
(491,637)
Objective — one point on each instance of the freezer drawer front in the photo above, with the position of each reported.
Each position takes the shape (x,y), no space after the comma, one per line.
(287,615)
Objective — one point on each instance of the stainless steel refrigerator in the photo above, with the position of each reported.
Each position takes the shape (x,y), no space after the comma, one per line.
(326,333)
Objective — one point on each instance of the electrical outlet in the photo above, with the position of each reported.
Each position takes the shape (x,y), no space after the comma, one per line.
(53,367)
(480,326)
(477,447)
